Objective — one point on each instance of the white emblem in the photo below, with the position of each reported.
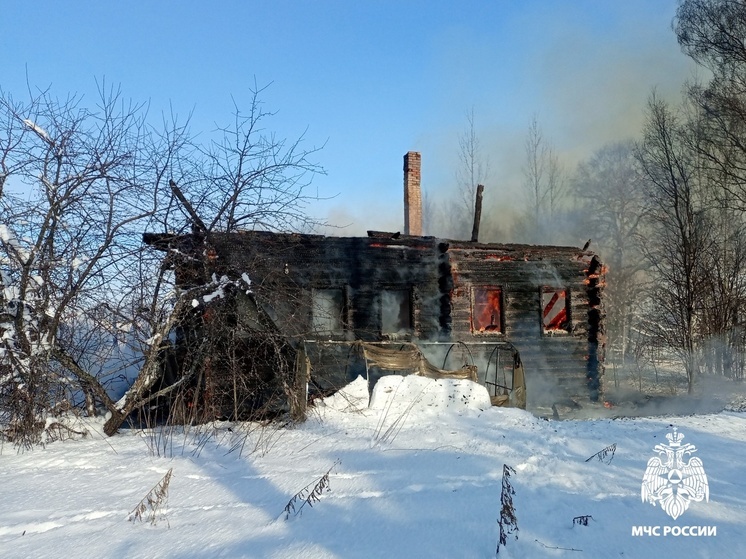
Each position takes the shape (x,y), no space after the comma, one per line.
(670,481)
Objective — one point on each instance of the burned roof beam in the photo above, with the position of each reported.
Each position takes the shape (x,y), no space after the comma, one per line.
(198,224)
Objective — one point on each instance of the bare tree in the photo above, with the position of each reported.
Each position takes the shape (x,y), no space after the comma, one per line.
(81,302)
(609,192)
(713,34)
(723,299)
(473,169)
(680,228)
(556,183)
(544,189)
(248,178)
(534,173)
(83,189)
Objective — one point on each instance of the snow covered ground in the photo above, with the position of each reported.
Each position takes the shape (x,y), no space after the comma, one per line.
(416,474)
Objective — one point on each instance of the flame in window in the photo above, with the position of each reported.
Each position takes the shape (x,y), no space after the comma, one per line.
(487,309)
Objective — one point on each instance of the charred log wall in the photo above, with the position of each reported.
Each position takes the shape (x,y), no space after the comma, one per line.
(557,362)
(438,278)
(285,269)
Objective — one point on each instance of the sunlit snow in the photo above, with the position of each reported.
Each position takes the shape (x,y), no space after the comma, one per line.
(419,475)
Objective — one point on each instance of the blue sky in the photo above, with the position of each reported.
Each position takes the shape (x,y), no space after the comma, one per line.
(370,79)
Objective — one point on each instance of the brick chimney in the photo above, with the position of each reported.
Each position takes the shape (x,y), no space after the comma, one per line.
(412,194)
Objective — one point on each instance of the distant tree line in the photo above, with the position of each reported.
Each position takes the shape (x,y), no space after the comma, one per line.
(665,210)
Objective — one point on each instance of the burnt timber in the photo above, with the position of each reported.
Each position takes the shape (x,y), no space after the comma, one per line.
(546,300)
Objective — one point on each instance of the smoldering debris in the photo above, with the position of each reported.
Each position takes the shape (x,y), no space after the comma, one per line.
(618,404)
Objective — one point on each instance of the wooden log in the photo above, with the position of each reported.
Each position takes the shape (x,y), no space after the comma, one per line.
(477,214)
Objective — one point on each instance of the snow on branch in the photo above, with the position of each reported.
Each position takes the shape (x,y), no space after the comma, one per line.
(39,131)
(8,238)
(220,285)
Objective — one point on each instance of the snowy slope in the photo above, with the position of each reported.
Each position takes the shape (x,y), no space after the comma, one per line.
(418,474)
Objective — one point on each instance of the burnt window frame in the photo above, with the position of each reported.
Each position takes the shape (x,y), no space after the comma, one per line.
(473,303)
(562,331)
(343,312)
(408,292)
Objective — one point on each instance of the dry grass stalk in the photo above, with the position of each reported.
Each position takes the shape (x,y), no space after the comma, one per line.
(309,495)
(507,522)
(582,520)
(605,455)
(153,505)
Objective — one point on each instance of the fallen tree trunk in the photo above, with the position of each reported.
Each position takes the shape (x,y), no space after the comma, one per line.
(150,373)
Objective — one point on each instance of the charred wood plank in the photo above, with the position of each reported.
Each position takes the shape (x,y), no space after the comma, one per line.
(477,214)
(198,223)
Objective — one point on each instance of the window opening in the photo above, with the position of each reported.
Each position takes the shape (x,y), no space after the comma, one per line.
(396,311)
(327,311)
(555,313)
(486,311)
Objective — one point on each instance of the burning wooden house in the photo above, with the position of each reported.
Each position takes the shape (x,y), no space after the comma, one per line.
(350,305)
